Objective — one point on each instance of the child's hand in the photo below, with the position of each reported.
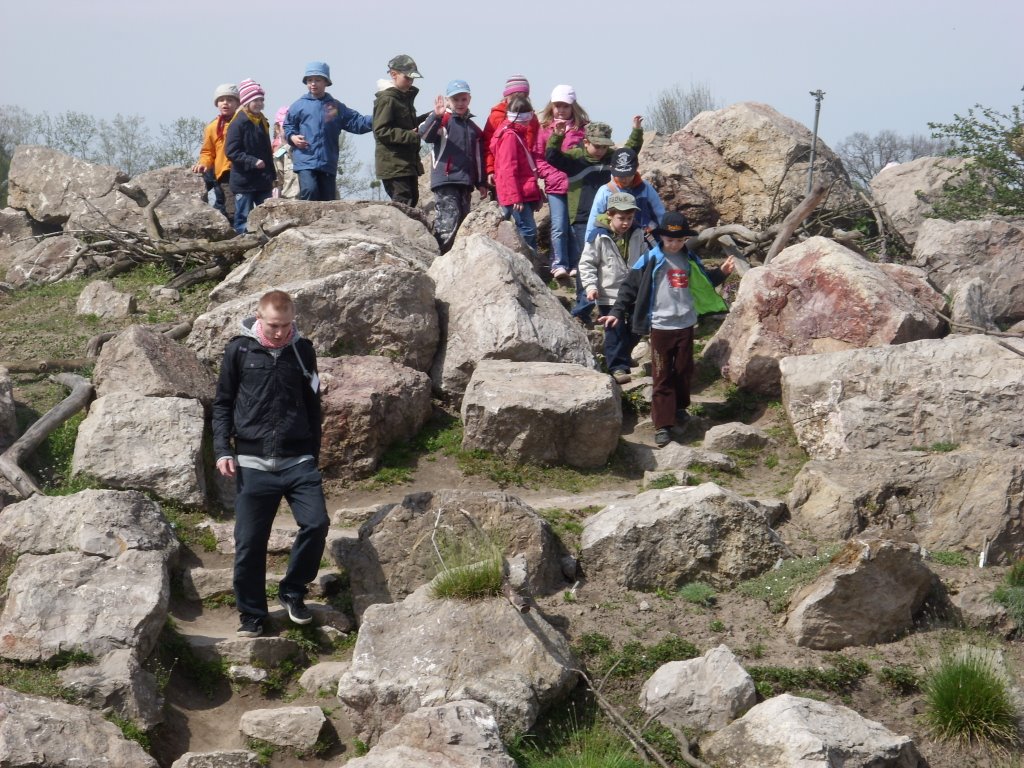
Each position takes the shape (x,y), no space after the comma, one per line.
(728,266)
(198,168)
(608,321)
(592,294)
(299,141)
(558,127)
(638,121)
(517,207)
(260,165)
(439,106)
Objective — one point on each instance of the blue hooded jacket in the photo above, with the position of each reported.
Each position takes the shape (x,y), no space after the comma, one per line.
(321,122)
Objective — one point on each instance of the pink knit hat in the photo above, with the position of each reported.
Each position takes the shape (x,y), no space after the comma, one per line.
(279,118)
(516,84)
(248,90)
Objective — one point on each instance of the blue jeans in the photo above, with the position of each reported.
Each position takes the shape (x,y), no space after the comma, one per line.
(259,494)
(618,343)
(576,243)
(244,203)
(524,223)
(317,185)
(560,233)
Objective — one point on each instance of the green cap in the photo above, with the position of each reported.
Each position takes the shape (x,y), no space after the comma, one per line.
(405,65)
(599,134)
(622,201)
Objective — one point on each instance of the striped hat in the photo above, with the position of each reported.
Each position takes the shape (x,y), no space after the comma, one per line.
(248,90)
(516,84)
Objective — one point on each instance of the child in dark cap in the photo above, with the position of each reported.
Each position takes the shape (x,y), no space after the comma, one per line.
(626,178)
(398,163)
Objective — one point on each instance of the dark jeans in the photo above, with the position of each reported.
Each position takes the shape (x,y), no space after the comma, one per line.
(576,243)
(672,371)
(618,343)
(403,189)
(317,185)
(451,202)
(259,494)
(244,203)
(223,203)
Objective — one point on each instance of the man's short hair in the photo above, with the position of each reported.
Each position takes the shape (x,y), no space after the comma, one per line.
(279,300)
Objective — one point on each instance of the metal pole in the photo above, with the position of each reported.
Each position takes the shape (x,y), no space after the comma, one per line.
(818,96)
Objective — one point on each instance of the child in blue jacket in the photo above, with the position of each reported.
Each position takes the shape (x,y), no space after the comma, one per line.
(456,159)
(313,127)
(626,178)
(664,293)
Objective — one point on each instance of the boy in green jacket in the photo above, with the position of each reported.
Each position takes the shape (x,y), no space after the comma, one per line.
(397,158)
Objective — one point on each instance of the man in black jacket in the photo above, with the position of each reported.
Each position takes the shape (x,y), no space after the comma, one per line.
(268,403)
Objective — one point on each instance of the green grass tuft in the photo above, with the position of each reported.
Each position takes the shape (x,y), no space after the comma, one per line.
(967,702)
(698,593)
(948,557)
(634,658)
(776,586)
(573,738)
(841,675)
(471,568)
(131,731)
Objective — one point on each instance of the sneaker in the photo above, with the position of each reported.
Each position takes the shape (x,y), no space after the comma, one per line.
(559,273)
(662,437)
(682,417)
(623,377)
(252,626)
(572,273)
(297,610)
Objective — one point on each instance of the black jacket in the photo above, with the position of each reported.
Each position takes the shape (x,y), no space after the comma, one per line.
(266,405)
(246,143)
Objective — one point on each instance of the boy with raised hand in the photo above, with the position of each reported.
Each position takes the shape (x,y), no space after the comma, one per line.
(397,157)
(313,127)
(665,292)
(213,162)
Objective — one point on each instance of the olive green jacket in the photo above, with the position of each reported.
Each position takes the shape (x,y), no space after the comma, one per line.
(394,128)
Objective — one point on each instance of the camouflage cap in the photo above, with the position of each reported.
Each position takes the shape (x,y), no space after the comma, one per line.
(599,134)
(405,65)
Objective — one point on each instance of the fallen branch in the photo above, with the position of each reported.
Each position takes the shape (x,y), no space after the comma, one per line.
(10,460)
(45,366)
(794,219)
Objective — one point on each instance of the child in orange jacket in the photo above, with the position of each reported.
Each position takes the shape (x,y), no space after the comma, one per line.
(213,162)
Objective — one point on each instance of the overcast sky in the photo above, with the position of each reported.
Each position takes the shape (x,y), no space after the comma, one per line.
(882,63)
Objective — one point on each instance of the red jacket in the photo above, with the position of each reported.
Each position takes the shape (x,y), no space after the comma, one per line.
(514,177)
(497,118)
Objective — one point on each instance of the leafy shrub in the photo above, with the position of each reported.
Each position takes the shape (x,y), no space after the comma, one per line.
(967,702)
(698,593)
(840,676)
(900,679)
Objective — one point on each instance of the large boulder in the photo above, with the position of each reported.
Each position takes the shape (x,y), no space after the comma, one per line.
(460,734)
(426,652)
(868,593)
(792,732)
(967,500)
(752,161)
(385,310)
(667,163)
(153,444)
(36,732)
(666,538)
(394,554)
(67,602)
(547,413)
(148,363)
(369,403)
(486,219)
(702,694)
(816,296)
(92,522)
(992,250)
(118,685)
(962,390)
(344,237)
(44,260)
(493,306)
(297,727)
(17,236)
(906,191)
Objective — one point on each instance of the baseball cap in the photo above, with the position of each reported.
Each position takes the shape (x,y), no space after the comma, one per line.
(564,93)
(599,134)
(455,87)
(622,201)
(674,224)
(624,162)
(405,65)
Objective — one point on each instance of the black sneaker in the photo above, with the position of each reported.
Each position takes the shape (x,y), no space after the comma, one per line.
(297,610)
(252,626)
(662,437)
(682,417)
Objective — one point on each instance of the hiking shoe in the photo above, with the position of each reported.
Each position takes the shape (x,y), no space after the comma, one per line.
(297,610)
(252,626)
(662,437)
(623,377)
(682,417)
(559,273)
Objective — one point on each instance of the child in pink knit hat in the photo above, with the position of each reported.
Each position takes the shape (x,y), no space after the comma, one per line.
(515,85)
(287,182)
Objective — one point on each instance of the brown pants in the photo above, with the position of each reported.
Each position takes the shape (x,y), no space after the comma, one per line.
(672,370)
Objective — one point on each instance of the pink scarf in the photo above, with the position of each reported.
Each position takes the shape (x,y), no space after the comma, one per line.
(257,328)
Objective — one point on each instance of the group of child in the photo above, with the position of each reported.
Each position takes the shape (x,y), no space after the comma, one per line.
(610,234)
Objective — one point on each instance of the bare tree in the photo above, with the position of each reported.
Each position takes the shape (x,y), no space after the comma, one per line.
(676,106)
(179,142)
(74,133)
(125,143)
(352,178)
(864,156)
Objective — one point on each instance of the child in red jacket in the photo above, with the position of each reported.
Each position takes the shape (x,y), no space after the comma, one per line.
(515,170)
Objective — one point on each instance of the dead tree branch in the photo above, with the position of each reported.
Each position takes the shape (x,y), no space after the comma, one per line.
(10,460)
(794,219)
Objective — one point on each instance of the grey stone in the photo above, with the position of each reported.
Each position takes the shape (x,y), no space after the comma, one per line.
(734,436)
(868,593)
(493,306)
(145,362)
(788,731)
(703,694)
(118,685)
(227,758)
(101,299)
(545,413)
(460,734)
(73,602)
(323,677)
(369,404)
(37,732)
(668,537)
(385,310)
(906,191)
(962,390)
(297,727)
(426,652)
(129,440)
(45,260)
(675,458)
(970,306)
